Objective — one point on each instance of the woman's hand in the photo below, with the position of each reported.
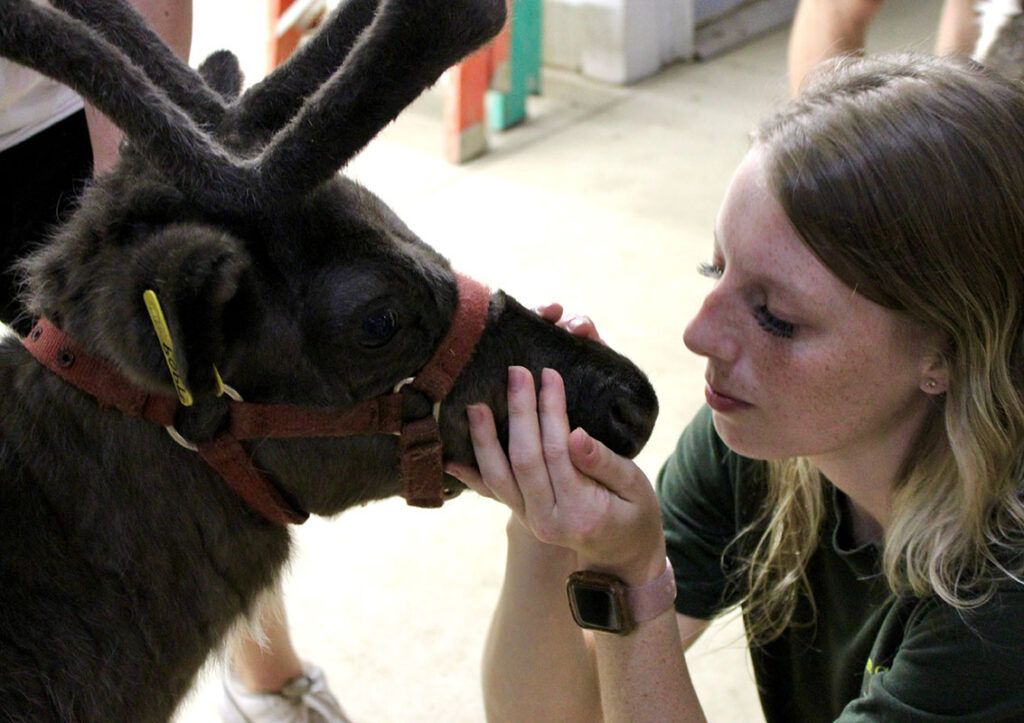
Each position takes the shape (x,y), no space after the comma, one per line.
(566,487)
(574,324)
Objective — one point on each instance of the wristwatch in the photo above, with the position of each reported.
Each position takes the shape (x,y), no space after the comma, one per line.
(600,601)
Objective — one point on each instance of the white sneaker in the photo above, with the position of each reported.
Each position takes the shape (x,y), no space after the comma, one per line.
(303,699)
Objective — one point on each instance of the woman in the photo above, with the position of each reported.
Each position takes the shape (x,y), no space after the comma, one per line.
(856,480)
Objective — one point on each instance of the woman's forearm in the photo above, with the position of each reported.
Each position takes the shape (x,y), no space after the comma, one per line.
(644,675)
(537,665)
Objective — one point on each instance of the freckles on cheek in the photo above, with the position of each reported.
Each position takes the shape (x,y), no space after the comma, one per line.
(799,387)
(776,371)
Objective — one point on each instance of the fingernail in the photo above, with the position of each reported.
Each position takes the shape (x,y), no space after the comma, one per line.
(548,376)
(475,413)
(588,442)
(516,378)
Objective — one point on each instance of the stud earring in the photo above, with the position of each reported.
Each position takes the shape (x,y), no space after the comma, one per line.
(931,384)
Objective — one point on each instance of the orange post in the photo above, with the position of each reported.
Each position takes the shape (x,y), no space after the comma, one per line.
(280,47)
(289,21)
(465,134)
(493,84)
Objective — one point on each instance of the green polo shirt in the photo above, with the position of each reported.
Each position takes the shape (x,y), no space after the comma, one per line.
(869,655)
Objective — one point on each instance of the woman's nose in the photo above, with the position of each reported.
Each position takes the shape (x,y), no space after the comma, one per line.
(709,333)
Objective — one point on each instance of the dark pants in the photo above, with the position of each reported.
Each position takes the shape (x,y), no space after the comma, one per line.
(40,181)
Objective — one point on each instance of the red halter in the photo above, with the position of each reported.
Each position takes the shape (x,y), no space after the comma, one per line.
(419,440)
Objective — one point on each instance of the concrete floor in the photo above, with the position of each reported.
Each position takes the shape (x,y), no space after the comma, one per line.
(604,201)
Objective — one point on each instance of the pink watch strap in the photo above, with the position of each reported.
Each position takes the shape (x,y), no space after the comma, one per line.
(651,599)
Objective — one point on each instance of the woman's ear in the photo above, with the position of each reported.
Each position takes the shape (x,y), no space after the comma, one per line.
(934,377)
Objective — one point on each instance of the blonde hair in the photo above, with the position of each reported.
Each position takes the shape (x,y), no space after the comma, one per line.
(905,176)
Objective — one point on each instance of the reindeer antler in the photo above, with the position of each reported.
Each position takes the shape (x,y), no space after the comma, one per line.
(405,49)
(388,53)
(272,102)
(69,51)
(125,29)
(267,106)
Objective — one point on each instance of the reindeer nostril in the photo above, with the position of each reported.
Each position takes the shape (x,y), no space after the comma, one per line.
(628,426)
(626,415)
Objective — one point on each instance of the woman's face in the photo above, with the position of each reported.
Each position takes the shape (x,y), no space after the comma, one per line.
(798,363)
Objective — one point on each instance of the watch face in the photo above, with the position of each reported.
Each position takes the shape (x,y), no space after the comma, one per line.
(595,607)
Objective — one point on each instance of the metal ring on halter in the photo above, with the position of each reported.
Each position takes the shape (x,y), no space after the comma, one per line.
(176,436)
(407,380)
(232,394)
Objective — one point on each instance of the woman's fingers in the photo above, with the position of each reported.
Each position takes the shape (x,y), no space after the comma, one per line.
(582,326)
(549,312)
(495,473)
(576,324)
(469,477)
(554,430)
(525,452)
(594,459)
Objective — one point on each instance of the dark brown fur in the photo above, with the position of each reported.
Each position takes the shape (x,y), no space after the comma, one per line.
(123,558)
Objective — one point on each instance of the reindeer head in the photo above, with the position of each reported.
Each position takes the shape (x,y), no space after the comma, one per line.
(297,284)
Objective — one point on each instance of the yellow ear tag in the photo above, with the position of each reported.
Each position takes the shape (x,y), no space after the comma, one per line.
(163,333)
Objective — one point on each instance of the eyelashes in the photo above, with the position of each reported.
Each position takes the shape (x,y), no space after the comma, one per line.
(765,318)
(773,324)
(711,271)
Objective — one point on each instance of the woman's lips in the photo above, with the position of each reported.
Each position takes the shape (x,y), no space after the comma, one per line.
(723,403)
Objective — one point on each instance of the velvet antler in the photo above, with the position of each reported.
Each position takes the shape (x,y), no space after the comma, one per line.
(406,48)
(272,102)
(69,51)
(315,114)
(125,29)
(267,106)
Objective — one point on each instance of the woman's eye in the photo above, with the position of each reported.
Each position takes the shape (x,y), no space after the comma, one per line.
(379,329)
(710,270)
(773,324)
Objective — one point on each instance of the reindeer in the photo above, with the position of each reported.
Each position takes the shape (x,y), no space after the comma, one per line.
(289,308)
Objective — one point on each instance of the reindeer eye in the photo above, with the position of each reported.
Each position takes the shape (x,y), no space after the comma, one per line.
(379,328)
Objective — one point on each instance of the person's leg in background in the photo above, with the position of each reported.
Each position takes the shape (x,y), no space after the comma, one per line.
(267,683)
(958,28)
(827,28)
(264,665)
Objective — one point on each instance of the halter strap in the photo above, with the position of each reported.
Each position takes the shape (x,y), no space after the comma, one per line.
(420,444)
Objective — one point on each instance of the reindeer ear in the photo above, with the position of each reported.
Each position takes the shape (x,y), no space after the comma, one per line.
(194,272)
